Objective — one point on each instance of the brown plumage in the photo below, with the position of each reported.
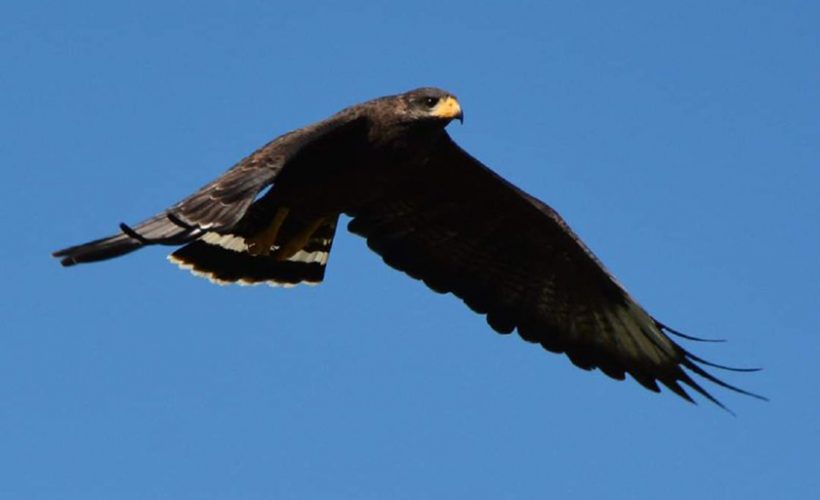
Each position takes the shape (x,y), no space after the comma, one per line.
(430,210)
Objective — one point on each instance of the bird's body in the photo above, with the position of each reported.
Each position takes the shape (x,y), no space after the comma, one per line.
(430,210)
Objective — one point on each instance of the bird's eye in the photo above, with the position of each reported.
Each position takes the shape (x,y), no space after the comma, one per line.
(430,101)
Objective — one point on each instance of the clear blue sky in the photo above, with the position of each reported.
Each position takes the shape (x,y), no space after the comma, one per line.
(680,141)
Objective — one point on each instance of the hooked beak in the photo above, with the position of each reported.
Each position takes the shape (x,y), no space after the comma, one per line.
(449,109)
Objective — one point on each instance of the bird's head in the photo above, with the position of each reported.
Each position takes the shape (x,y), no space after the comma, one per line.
(429,104)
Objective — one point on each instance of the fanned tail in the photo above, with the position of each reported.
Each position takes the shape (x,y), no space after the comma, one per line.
(226,259)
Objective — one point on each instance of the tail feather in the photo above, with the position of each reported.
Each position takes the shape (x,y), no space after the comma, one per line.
(225,259)
(225,266)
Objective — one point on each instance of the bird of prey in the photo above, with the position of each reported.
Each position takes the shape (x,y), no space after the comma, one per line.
(429,209)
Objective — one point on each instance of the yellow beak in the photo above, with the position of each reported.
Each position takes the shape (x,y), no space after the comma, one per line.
(448,109)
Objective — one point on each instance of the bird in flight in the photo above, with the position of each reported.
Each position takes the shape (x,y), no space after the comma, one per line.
(428,209)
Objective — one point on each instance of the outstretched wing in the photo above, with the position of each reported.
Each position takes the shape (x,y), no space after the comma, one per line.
(221,204)
(461,228)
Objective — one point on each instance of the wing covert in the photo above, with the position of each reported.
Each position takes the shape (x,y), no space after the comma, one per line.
(462,228)
(221,204)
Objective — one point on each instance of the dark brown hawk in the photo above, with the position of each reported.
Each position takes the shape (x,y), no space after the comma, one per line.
(430,210)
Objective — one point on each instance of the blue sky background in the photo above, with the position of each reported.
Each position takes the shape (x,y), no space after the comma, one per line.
(680,141)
